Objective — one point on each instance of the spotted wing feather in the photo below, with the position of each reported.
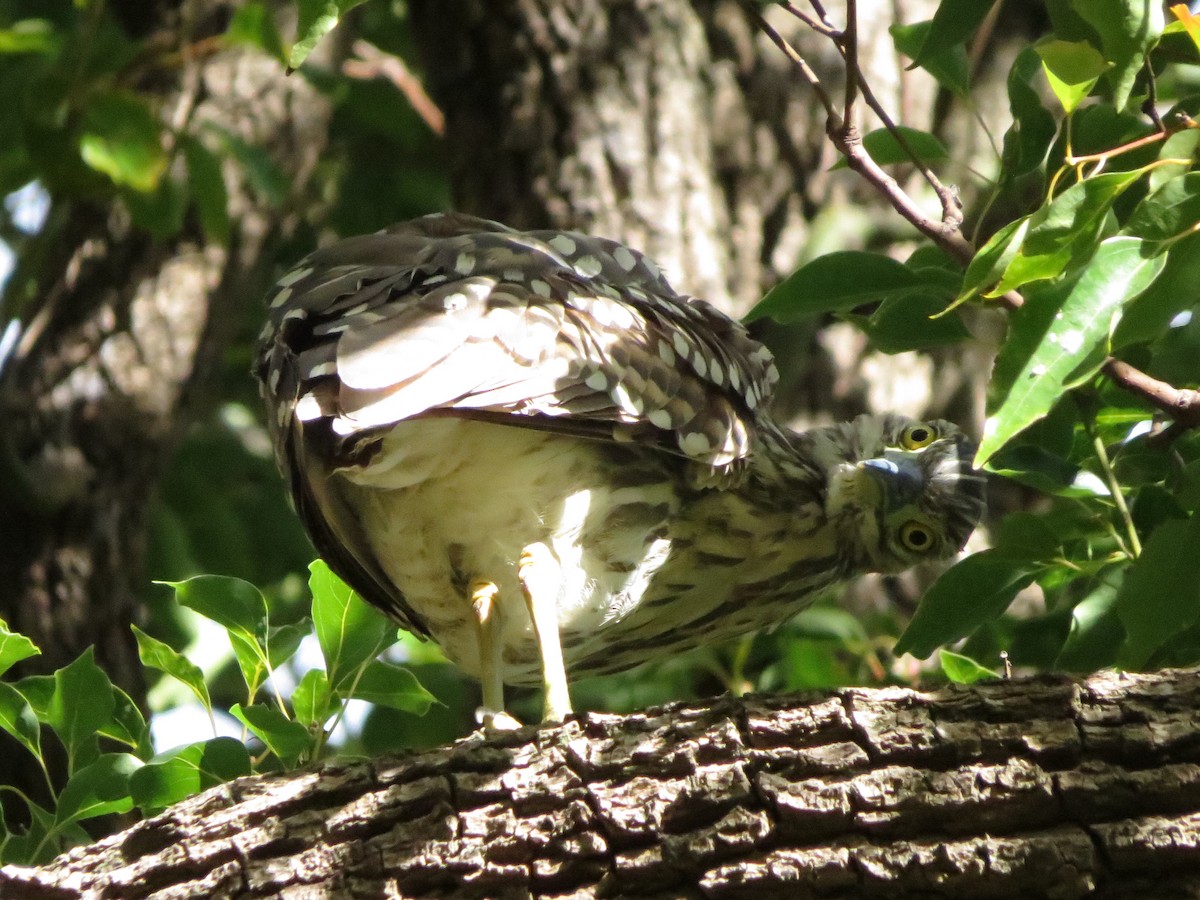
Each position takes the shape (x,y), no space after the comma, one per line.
(452,314)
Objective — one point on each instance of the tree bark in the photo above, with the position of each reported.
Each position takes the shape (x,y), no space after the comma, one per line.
(1045,787)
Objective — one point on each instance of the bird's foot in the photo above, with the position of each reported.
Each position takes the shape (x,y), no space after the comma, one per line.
(496,720)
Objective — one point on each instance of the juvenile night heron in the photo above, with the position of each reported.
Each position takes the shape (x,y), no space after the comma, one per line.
(529,448)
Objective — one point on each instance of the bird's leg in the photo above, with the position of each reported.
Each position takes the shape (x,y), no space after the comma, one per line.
(483,605)
(538,572)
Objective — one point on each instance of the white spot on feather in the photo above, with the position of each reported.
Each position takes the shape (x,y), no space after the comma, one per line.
(563,244)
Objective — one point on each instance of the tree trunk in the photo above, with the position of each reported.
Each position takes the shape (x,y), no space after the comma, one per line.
(1034,788)
(119,348)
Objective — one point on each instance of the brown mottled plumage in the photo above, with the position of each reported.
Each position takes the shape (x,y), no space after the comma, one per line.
(511,440)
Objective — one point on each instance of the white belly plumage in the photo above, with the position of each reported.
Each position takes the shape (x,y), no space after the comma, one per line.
(449,501)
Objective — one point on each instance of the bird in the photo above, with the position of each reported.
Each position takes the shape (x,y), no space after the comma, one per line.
(529,448)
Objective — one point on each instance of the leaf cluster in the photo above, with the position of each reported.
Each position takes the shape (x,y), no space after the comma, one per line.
(1102,269)
(111,765)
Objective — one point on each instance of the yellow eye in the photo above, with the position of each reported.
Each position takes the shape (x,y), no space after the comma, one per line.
(914,437)
(916,537)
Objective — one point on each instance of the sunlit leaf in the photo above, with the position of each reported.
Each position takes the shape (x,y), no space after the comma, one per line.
(82,704)
(158,655)
(393,686)
(287,739)
(186,771)
(962,669)
(1063,232)
(316,19)
(1056,342)
(1127,29)
(349,630)
(18,719)
(1072,68)
(123,139)
(14,647)
(99,789)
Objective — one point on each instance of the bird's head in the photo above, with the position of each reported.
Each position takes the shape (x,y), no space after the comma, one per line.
(899,491)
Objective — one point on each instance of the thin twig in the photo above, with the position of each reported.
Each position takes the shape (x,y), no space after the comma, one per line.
(794,55)
(848,47)
(820,27)
(374,63)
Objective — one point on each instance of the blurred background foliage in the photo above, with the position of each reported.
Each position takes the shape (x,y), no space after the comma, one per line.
(1094,529)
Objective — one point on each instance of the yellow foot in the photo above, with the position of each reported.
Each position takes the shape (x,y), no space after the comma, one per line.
(493,720)
(538,572)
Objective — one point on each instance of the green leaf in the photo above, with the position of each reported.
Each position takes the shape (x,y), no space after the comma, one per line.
(14,647)
(394,687)
(316,19)
(99,789)
(186,771)
(1028,139)
(81,705)
(948,65)
(123,139)
(915,322)
(1096,633)
(284,640)
(253,25)
(288,740)
(18,719)
(988,265)
(349,630)
(232,603)
(37,845)
(1072,68)
(972,592)
(1127,29)
(1149,316)
(30,36)
(310,699)
(157,655)
(1040,469)
(160,211)
(836,282)
(1063,233)
(241,609)
(954,23)
(1168,213)
(962,669)
(206,185)
(1161,593)
(885,149)
(128,725)
(1053,345)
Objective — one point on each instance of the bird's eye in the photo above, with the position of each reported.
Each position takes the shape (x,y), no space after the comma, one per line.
(916,537)
(914,437)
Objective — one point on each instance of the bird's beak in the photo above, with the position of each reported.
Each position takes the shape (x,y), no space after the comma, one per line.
(898,476)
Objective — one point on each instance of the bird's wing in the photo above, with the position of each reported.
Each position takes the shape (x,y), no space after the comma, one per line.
(453,315)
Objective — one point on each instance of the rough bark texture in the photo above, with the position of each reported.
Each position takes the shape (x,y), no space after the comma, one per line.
(1038,788)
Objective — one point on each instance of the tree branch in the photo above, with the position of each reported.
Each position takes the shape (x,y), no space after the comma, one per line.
(1041,787)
